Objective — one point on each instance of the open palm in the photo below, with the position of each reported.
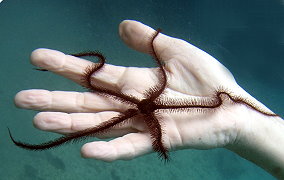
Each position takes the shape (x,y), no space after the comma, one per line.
(191,73)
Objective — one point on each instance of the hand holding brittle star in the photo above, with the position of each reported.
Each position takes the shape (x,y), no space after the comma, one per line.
(190,72)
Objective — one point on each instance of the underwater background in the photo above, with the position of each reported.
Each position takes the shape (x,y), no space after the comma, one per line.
(246,36)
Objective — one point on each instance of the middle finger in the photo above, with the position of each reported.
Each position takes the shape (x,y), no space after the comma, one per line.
(67,101)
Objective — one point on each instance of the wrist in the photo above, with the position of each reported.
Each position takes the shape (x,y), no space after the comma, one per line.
(260,140)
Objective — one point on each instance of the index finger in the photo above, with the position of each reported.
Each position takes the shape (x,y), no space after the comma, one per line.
(110,76)
(69,66)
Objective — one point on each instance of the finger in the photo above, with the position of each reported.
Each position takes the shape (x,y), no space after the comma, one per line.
(56,61)
(64,123)
(66,101)
(123,148)
(137,36)
(110,76)
(69,66)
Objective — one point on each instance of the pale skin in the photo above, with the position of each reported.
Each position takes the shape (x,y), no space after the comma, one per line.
(190,71)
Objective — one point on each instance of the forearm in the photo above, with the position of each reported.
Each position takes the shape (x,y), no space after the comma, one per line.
(261,141)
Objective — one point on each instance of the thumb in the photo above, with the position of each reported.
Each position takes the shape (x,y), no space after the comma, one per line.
(136,35)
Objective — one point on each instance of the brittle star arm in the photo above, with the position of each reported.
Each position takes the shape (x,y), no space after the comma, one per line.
(92,70)
(212,102)
(80,135)
(156,133)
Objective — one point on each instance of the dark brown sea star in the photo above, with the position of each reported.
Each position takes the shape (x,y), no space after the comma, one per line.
(148,108)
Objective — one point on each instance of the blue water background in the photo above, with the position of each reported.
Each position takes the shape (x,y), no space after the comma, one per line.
(246,36)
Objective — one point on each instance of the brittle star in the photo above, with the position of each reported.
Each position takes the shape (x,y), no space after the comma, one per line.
(149,107)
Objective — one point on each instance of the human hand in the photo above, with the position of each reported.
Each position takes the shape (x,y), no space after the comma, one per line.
(191,73)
